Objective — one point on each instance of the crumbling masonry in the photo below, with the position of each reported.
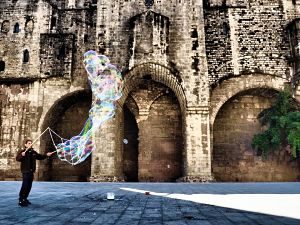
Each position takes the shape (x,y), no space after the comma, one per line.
(196,75)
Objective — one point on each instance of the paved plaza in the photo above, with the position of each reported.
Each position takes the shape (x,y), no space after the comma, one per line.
(167,203)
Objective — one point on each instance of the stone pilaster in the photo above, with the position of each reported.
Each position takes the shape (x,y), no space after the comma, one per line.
(197,159)
(103,166)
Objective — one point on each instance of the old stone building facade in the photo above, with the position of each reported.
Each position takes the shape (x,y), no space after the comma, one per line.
(196,75)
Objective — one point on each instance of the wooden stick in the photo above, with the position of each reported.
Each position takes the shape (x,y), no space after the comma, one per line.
(36,139)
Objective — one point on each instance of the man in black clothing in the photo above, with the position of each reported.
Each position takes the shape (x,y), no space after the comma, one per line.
(27,156)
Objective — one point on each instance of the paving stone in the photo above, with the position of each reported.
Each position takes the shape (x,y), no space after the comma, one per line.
(221,221)
(286,221)
(59,209)
(175,222)
(239,218)
(198,222)
(36,220)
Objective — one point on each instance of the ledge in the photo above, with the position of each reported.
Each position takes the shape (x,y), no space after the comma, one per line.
(106,179)
(18,80)
(196,179)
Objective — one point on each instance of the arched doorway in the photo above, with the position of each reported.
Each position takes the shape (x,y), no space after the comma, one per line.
(67,118)
(160,140)
(233,157)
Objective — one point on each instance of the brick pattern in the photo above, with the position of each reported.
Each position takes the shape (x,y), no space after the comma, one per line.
(291,9)
(218,44)
(293,30)
(56,54)
(262,42)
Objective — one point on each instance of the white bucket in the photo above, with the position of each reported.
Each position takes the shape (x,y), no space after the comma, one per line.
(110,196)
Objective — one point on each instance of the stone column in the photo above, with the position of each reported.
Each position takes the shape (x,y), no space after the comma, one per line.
(103,166)
(197,158)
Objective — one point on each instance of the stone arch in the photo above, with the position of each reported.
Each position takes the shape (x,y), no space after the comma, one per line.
(59,118)
(235,104)
(233,157)
(231,87)
(154,99)
(167,80)
(132,105)
(158,73)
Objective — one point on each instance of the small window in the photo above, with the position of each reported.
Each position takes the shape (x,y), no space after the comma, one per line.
(149,3)
(206,4)
(25,56)
(16,28)
(194,33)
(294,2)
(2,65)
(226,28)
(62,52)
(53,22)
(85,38)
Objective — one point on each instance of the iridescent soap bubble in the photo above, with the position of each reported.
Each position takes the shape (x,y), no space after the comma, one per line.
(106,84)
(125,141)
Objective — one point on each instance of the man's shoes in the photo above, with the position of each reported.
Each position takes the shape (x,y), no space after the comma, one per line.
(23,203)
(28,202)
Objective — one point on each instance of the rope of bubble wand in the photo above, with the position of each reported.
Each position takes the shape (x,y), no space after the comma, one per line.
(47,129)
(36,139)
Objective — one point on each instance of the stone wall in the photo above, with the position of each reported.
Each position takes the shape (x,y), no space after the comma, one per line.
(243,38)
(160,134)
(233,157)
(202,52)
(24,21)
(16,118)
(218,43)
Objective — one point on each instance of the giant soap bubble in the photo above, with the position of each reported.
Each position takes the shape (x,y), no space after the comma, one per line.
(106,84)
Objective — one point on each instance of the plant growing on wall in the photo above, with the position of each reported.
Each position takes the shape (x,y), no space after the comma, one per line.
(282,120)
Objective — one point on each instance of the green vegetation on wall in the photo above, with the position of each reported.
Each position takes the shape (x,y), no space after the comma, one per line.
(282,120)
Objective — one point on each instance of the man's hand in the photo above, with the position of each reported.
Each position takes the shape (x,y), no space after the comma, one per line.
(49,153)
(23,153)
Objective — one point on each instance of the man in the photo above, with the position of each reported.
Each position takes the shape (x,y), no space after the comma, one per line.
(27,156)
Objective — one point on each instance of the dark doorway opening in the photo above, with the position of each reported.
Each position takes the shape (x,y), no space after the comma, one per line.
(130,164)
(66,118)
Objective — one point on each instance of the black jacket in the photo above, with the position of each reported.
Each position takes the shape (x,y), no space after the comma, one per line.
(28,163)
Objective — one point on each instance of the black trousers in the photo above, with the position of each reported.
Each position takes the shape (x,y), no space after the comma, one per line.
(26,185)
